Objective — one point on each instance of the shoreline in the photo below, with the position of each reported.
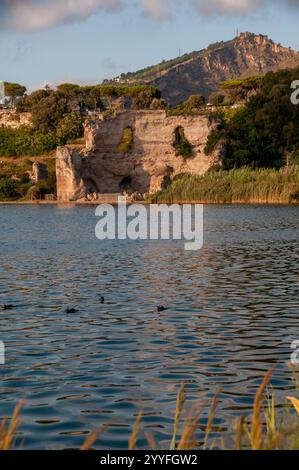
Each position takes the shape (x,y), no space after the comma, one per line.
(146,203)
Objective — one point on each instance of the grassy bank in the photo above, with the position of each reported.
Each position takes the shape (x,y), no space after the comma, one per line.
(236,186)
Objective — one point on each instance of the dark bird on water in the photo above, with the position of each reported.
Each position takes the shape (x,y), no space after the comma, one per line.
(102,299)
(161,308)
(71,310)
(8,307)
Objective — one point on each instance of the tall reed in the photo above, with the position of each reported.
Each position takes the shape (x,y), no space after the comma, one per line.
(236,186)
(270,426)
(8,429)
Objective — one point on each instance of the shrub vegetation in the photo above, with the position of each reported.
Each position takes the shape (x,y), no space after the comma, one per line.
(15,183)
(182,146)
(243,185)
(263,133)
(126,145)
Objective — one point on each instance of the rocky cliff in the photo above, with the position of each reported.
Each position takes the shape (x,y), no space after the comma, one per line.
(152,163)
(201,72)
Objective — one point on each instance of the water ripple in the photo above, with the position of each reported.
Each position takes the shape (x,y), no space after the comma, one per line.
(233,313)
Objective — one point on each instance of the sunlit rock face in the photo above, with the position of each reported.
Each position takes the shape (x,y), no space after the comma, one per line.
(246,55)
(150,165)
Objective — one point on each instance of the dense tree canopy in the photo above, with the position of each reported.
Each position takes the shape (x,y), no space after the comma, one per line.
(193,105)
(69,129)
(242,88)
(48,107)
(265,132)
(58,114)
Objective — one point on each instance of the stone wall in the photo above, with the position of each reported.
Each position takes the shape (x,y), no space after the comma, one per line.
(101,168)
(9,118)
(39,172)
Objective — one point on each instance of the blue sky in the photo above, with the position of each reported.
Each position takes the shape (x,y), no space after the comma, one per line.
(107,37)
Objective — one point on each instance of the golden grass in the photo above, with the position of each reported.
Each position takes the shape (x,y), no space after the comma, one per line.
(8,430)
(295,403)
(188,440)
(271,426)
(181,398)
(93,437)
(256,431)
(239,433)
(211,419)
(135,433)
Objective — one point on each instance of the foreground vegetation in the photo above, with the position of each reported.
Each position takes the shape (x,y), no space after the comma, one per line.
(263,131)
(236,186)
(15,184)
(272,425)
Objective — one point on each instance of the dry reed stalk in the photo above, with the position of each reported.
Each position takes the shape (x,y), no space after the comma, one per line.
(211,420)
(93,437)
(256,431)
(240,433)
(7,434)
(295,403)
(151,441)
(187,441)
(181,398)
(135,432)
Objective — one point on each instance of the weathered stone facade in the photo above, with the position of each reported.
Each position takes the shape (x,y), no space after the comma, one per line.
(39,172)
(100,168)
(14,120)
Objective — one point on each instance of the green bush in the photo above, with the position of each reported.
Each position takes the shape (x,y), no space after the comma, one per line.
(217,99)
(8,189)
(15,182)
(182,146)
(25,141)
(195,102)
(126,145)
(194,105)
(69,129)
(214,138)
(262,133)
(158,104)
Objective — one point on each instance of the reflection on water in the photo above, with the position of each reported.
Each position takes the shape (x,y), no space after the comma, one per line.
(233,312)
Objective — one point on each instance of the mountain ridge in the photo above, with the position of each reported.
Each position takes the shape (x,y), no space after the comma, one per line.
(201,71)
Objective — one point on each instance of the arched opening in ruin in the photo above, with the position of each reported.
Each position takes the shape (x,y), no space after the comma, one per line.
(91,186)
(166,182)
(126,184)
(127,140)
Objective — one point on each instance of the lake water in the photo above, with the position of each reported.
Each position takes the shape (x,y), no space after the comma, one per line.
(232,314)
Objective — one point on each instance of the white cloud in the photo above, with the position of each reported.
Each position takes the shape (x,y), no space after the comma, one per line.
(227,6)
(35,15)
(161,8)
(157,9)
